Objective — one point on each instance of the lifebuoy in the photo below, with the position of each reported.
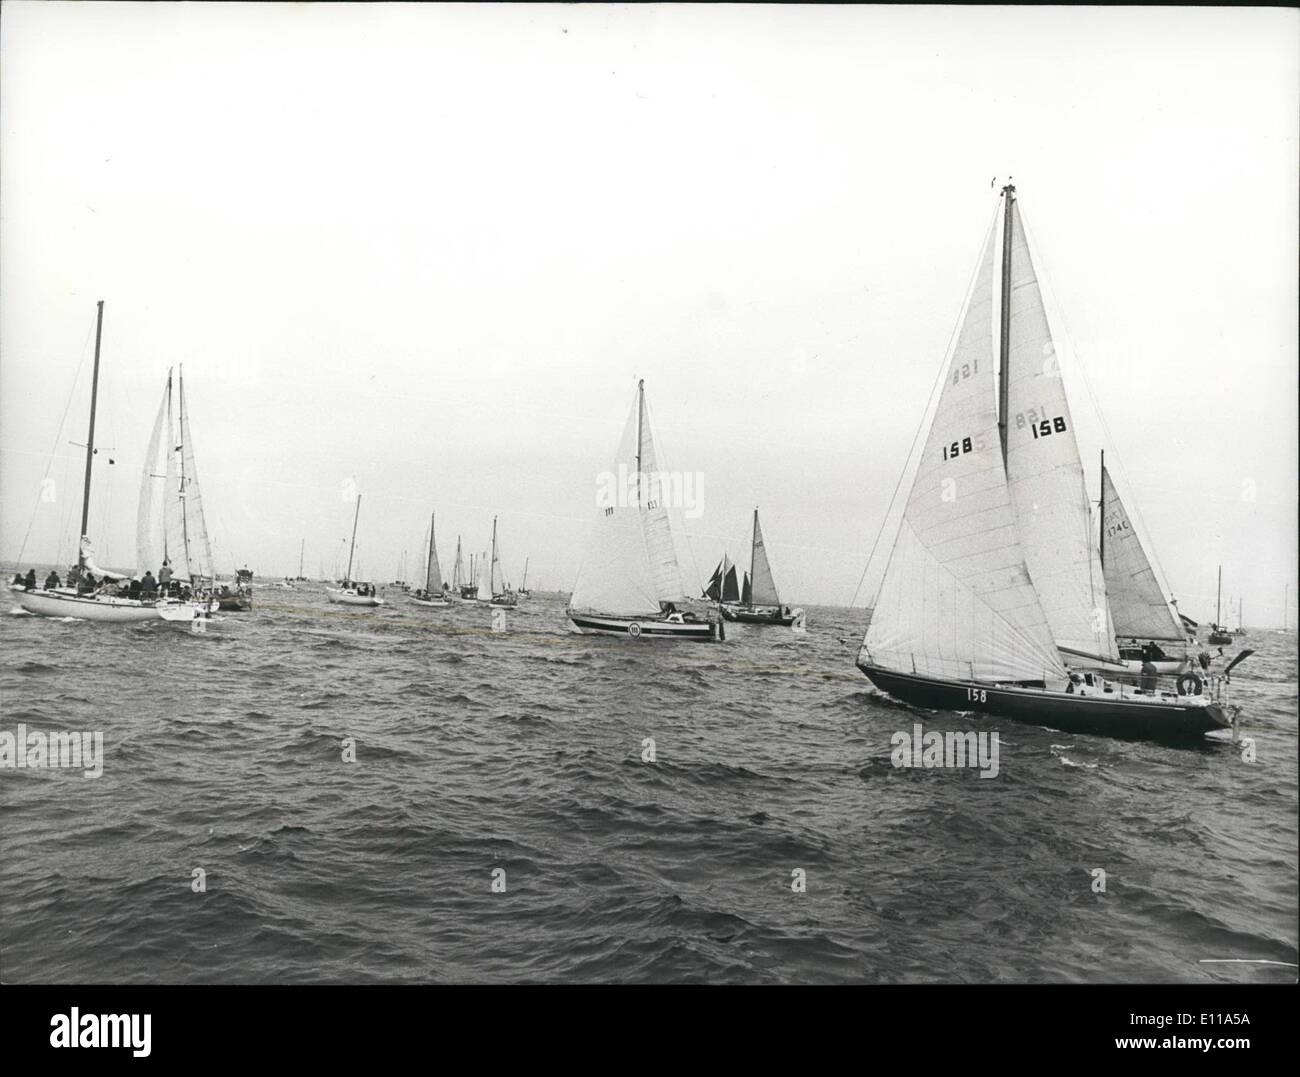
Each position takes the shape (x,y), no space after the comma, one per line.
(634,630)
(1189,681)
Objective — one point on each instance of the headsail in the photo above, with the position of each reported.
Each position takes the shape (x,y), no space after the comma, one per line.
(150,520)
(198,547)
(1137,603)
(1045,473)
(484,579)
(956,599)
(764,587)
(433,571)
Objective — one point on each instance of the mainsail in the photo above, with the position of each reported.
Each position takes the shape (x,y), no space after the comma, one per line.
(617,576)
(1045,473)
(956,599)
(1137,603)
(658,529)
(763,586)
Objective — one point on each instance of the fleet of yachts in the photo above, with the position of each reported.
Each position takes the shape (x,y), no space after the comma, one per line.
(999,593)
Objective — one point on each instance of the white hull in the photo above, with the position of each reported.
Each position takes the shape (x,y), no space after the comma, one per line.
(351,598)
(591,624)
(87,607)
(184,612)
(429,601)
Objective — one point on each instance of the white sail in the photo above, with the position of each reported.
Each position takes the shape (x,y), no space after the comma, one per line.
(198,546)
(762,586)
(433,571)
(956,599)
(88,558)
(1137,603)
(1045,474)
(149,526)
(658,529)
(484,580)
(616,576)
(173,508)
(458,569)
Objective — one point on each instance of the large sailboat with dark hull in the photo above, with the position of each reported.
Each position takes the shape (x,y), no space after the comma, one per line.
(993,598)
(630,582)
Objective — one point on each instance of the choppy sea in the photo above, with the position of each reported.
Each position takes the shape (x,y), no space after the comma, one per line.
(500,821)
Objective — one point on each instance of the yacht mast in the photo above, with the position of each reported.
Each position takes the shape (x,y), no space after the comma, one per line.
(90,438)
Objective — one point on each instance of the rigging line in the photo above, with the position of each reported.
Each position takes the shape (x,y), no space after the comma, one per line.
(57,437)
(938,380)
(1134,510)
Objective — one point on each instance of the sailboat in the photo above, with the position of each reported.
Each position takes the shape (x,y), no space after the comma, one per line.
(759,602)
(114,597)
(1147,628)
(431,594)
(463,587)
(352,592)
(499,595)
(992,583)
(1218,634)
(523,591)
(630,582)
(723,585)
(1241,631)
(302,549)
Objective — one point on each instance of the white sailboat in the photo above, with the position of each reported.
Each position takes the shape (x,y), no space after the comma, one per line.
(759,602)
(993,583)
(352,592)
(630,581)
(501,597)
(116,598)
(432,593)
(1219,635)
(1147,629)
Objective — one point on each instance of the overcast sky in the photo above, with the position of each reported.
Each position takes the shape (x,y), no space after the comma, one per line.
(430,249)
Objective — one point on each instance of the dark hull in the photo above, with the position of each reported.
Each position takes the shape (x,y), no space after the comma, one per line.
(235,603)
(757,617)
(1130,719)
(633,628)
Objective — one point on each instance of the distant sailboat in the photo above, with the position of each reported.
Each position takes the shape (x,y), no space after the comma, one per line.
(630,582)
(523,591)
(993,580)
(1219,636)
(1147,629)
(723,585)
(499,594)
(112,598)
(352,592)
(431,594)
(759,602)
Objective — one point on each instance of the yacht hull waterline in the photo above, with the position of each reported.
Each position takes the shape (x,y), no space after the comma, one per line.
(1175,719)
